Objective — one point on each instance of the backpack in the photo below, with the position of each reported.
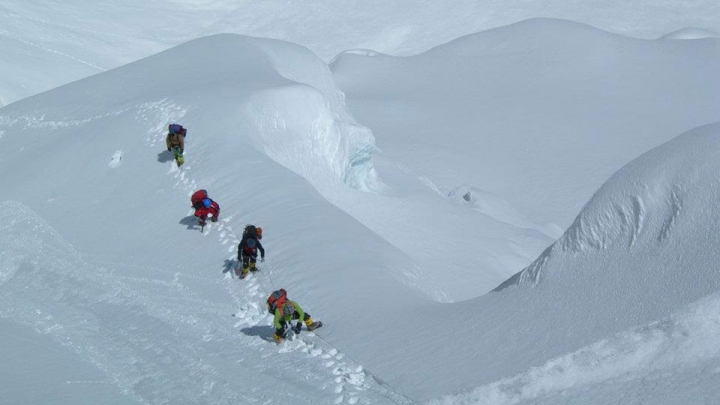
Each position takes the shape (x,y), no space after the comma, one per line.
(250,231)
(197,198)
(247,249)
(177,129)
(276,299)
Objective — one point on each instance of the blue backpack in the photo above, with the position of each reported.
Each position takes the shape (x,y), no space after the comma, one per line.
(177,129)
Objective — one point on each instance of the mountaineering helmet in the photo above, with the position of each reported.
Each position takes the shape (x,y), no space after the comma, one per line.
(258,230)
(206,202)
(288,308)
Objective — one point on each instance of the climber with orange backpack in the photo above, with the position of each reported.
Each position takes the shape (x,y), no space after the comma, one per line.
(285,311)
(248,251)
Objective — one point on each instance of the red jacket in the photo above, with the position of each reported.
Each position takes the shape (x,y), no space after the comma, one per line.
(203,212)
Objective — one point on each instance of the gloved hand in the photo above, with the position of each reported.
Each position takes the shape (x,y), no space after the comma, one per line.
(262,259)
(297,327)
(182,151)
(168,149)
(201,222)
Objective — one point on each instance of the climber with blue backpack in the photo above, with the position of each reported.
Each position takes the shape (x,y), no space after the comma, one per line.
(175,142)
(204,207)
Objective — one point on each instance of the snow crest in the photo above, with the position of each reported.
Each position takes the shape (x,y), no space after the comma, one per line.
(640,208)
(298,129)
(306,126)
(647,352)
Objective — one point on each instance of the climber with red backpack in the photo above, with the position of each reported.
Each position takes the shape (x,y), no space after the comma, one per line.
(175,142)
(204,207)
(285,311)
(247,253)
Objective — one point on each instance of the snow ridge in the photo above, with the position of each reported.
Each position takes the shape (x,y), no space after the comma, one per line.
(642,205)
(645,352)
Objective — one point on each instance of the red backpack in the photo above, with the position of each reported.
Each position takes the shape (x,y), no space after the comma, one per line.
(197,198)
(276,299)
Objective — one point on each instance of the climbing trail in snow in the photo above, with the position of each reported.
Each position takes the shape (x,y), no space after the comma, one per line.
(349,378)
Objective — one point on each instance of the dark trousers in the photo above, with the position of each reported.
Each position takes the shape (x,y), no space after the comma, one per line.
(284,325)
(248,260)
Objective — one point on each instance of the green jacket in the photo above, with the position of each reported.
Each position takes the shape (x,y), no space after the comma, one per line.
(279,316)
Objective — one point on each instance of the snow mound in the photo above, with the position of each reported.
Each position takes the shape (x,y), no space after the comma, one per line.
(265,79)
(691,33)
(684,341)
(643,250)
(648,237)
(297,127)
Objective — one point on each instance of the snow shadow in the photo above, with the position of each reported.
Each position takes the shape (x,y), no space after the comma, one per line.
(165,156)
(228,266)
(190,221)
(263,331)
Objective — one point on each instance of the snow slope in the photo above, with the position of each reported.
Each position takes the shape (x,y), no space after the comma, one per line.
(102,254)
(49,44)
(643,249)
(534,116)
(102,258)
(691,33)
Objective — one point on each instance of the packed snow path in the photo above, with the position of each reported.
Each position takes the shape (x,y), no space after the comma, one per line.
(351,382)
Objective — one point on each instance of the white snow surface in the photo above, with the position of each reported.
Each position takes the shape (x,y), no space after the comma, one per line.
(46,44)
(691,33)
(488,147)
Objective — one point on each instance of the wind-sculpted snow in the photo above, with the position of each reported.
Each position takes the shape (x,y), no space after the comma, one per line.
(643,361)
(147,303)
(102,255)
(45,47)
(539,113)
(648,206)
(690,33)
(323,141)
(297,127)
(306,126)
(643,249)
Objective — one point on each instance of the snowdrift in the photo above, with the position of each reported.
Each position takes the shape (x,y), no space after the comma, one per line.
(539,113)
(49,46)
(101,254)
(620,290)
(654,221)
(690,33)
(507,133)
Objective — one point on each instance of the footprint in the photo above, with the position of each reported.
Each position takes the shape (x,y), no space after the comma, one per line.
(116,160)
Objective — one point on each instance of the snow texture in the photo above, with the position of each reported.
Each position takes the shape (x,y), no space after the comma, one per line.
(394,194)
